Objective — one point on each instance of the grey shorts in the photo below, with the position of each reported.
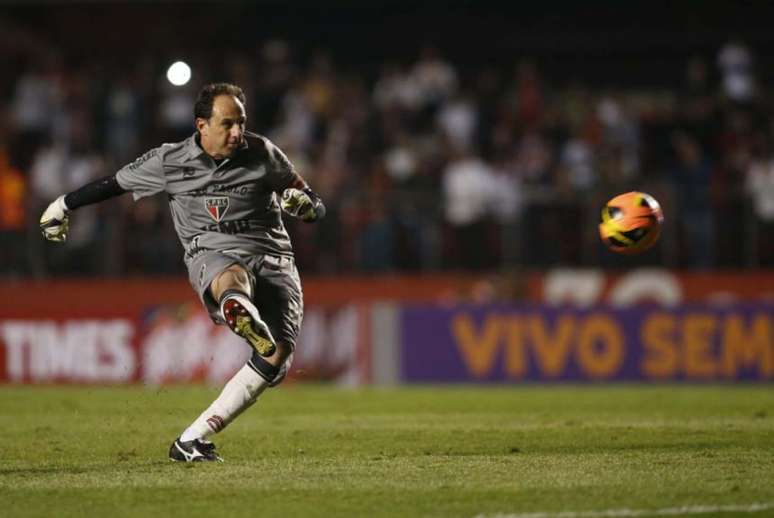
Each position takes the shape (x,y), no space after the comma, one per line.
(275,283)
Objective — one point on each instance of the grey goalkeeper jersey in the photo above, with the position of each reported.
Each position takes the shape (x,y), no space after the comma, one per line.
(230,207)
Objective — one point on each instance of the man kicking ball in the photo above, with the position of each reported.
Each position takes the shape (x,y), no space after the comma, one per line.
(223,185)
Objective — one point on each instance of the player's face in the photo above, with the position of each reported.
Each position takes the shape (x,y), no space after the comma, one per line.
(223,133)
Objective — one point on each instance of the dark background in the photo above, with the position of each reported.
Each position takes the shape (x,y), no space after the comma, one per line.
(605,43)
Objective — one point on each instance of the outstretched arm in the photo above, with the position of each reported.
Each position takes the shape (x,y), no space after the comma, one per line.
(55,221)
(143,177)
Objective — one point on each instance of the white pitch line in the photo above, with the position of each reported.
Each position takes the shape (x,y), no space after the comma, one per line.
(626,513)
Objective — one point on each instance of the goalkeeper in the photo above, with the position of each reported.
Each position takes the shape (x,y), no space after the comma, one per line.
(222,184)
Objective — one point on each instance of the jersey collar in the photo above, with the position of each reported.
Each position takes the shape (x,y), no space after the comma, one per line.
(195,150)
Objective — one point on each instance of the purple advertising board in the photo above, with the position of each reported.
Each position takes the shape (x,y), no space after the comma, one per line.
(515,343)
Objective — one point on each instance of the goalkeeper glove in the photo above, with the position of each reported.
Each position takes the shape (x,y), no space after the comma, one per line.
(302,204)
(55,221)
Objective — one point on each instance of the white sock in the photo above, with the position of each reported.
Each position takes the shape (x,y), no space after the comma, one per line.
(239,394)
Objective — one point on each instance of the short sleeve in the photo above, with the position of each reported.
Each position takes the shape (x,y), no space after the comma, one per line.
(281,174)
(145,176)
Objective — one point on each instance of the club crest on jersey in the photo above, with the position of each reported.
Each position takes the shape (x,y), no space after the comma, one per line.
(216,207)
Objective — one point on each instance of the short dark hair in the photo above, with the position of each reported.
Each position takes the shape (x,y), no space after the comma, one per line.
(207,95)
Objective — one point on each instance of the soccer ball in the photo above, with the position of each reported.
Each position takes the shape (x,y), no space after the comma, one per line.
(631,223)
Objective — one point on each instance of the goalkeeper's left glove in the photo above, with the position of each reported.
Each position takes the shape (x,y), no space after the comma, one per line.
(302,204)
(55,221)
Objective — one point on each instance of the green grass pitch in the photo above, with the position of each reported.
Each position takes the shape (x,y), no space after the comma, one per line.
(421,451)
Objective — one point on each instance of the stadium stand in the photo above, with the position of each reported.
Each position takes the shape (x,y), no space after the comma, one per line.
(429,156)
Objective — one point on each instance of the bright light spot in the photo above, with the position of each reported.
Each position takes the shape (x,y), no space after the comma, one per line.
(179,73)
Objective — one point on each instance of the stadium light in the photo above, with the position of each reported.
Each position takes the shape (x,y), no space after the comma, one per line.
(179,73)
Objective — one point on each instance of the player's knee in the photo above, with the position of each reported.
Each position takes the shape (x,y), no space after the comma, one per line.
(284,368)
(233,277)
(275,368)
(284,351)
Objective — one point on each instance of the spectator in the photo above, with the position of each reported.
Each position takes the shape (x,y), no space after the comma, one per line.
(577,162)
(534,159)
(458,121)
(469,187)
(736,68)
(122,120)
(435,79)
(691,176)
(378,240)
(620,134)
(759,185)
(697,98)
(529,95)
(37,100)
(13,197)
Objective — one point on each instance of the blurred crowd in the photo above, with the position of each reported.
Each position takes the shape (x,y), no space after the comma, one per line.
(424,164)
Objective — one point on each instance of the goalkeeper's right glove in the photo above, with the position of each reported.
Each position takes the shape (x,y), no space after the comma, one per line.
(55,221)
